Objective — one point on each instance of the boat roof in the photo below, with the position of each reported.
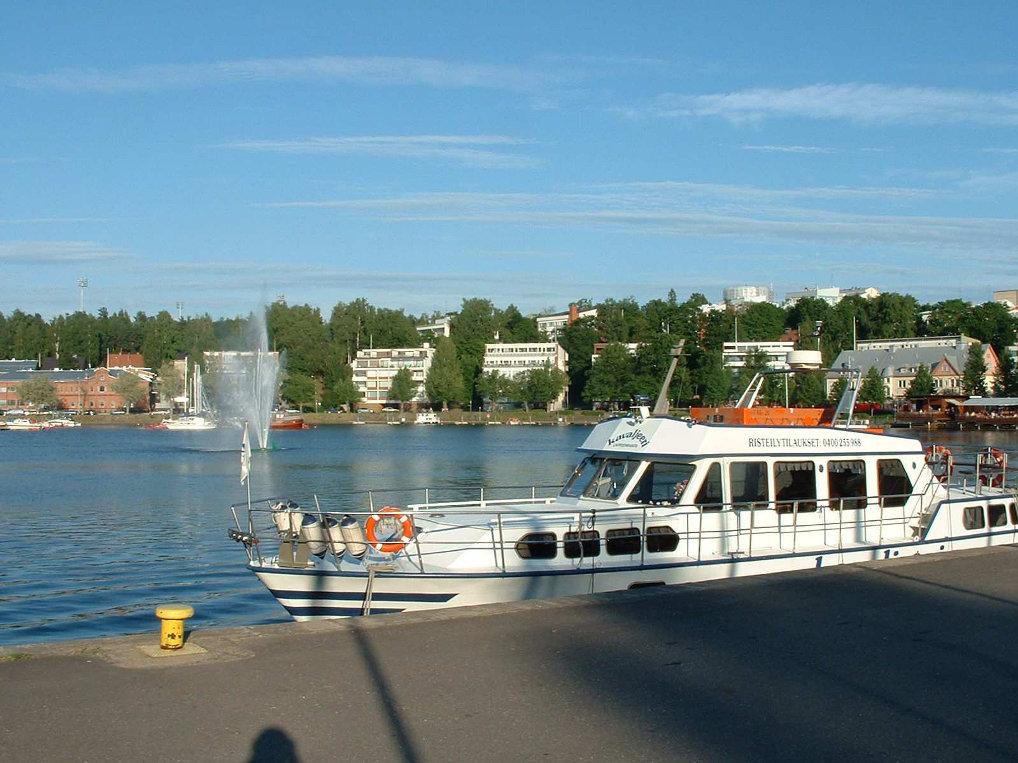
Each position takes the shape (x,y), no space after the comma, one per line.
(664,436)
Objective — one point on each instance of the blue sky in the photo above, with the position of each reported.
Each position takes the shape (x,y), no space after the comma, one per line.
(532,153)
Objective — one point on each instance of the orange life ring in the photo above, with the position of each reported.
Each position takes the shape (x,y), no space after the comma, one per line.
(394,546)
(938,454)
(992,457)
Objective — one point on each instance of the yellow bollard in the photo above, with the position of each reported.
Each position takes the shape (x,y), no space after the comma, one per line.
(173,617)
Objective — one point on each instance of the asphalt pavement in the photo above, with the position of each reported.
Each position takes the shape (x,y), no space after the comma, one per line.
(903,659)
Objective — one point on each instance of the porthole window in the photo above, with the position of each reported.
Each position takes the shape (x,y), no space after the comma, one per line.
(972,518)
(585,543)
(537,546)
(622,541)
(661,538)
(998,517)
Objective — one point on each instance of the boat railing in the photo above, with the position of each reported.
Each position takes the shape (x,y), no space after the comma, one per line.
(707,530)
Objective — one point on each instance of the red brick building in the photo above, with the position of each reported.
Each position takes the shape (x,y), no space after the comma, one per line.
(90,389)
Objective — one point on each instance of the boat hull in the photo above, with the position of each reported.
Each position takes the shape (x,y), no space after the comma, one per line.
(309,594)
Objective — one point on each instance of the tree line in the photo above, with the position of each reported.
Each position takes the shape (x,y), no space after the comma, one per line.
(319,349)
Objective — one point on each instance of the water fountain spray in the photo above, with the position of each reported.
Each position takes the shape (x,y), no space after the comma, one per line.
(246,381)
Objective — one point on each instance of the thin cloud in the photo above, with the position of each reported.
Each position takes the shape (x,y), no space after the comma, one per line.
(791,149)
(690,210)
(854,102)
(50,252)
(466,150)
(372,71)
(1006,151)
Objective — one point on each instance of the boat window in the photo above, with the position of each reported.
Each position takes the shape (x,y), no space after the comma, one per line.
(795,486)
(846,484)
(581,477)
(662,538)
(622,541)
(972,518)
(599,477)
(537,546)
(662,484)
(586,543)
(708,497)
(1013,512)
(893,483)
(749,484)
(998,517)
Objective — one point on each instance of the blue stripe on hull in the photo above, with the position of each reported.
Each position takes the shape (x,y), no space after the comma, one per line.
(335,611)
(439,598)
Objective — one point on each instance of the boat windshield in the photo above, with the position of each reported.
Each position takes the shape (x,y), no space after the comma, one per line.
(599,477)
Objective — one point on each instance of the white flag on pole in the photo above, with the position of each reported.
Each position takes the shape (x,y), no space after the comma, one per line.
(245,457)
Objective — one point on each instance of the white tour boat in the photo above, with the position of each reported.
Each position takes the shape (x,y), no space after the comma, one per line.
(654,500)
(427,417)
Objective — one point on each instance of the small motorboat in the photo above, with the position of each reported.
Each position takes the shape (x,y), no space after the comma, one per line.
(287,421)
(189,424)
(61,423)
(24,425)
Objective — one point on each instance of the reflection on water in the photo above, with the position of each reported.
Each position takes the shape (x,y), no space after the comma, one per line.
(102,524)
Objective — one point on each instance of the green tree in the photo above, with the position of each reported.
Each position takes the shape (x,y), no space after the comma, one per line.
(444,383)
(922,383)
(717,381)
(38,391)
(169,382)
(541,386)
(837,390)
(809,390)
(132,388)
(494,387)
(761,322)
(514,327)
(578,341)
(403,388)
(342,392)
(611,377)
(162,339)
(621,320)
(359,324)
(973,377)
(299,330)
(890,315)
(1006,382)
(299,390)
(872,389)
(472,328)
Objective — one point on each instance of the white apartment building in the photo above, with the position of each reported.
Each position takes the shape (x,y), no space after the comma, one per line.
(373,371)
(746,295)
(832,295)
(552,325)
(914,342)
(515,358)
(439,327)
(733,354)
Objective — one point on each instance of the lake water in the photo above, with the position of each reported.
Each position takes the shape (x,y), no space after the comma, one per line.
(101,524)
